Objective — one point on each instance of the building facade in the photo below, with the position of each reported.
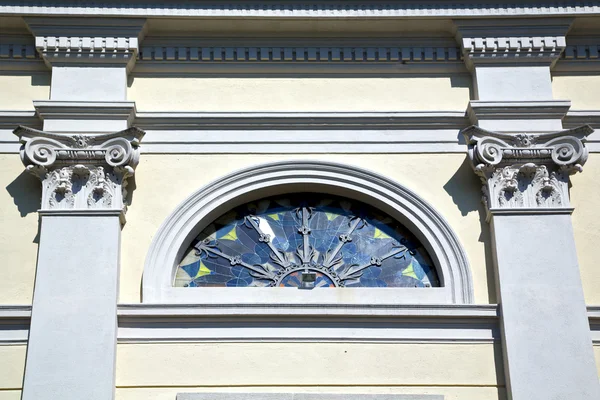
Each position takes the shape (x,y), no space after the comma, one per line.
(299,200)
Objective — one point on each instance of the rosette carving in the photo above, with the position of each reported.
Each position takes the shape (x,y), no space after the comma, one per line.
(526,170)
(81,171)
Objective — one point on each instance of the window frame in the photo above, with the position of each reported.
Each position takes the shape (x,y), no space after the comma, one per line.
(201,208)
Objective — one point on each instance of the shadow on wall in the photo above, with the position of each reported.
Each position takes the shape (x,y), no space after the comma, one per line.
(465,189)
(26,192)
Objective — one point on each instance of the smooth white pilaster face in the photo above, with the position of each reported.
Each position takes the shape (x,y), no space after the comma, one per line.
(512,83)
(547,342)
(89,83)
(72,339)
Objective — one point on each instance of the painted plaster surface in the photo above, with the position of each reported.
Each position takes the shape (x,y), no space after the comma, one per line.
(445,181)
(19,201)
(449,392)
(10,395)
(18,91)
(585,197)
(12,365)
(214,365)
(582,90)
(300,94)
(597,354)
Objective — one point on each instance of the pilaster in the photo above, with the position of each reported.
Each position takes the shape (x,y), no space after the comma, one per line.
(546,336)
(90,60)
(72,338)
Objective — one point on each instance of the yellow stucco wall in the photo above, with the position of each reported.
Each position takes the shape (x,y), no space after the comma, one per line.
(597,354)
(18,91)
(20,195)
(301,94)
(446,181)
(582,90)
(585,197)
(159,371)
(12,367)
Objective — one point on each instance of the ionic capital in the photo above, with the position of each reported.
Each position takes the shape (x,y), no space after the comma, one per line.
(526,171)
(81,172)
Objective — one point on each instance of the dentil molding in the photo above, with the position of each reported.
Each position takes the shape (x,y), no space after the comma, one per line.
(526,172)
(105,41)
(534,41)
(81,172)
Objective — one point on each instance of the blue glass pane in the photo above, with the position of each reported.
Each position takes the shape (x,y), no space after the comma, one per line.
(273,241)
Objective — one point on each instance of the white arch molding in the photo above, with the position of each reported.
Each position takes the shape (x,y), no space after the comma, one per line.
(201,208)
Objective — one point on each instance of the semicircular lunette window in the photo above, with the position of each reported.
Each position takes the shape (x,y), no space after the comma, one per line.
(306,240)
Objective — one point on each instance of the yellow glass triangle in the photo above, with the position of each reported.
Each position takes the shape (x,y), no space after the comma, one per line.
(331,216)
(410,271)
(380,235)
(203,270)
(232,235)
(274,216)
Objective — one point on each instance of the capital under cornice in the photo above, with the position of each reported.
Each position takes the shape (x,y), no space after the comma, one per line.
(81,171)
(526,171)
(510,41)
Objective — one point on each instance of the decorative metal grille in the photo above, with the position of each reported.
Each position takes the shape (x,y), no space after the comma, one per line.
(306,240)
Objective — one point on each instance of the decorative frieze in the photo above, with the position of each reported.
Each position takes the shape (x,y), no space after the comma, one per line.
(81,171)
(298,54)
(17,51)
(582,52)
(526,171)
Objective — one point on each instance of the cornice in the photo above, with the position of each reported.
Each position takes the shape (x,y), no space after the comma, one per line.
(303,9)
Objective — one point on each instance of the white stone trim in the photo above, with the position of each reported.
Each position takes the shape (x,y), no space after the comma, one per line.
(144,323)
(177,231)
(226,133)
(138,322)
(317,9)
(14,324)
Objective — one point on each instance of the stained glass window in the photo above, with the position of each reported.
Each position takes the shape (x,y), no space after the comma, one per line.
(326,241)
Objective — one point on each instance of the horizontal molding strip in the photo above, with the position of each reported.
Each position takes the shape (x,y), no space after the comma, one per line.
(148,323)
(295,9)
(289,133)
(299,54)
(318,323)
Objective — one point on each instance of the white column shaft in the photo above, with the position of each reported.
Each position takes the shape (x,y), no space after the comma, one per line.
(547,340)
(72,339)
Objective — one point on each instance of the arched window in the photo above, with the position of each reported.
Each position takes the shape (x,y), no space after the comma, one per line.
(255,236)
(306,240)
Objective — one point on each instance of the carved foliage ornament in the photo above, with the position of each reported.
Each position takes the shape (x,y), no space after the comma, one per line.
(526,170)
(81,171)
